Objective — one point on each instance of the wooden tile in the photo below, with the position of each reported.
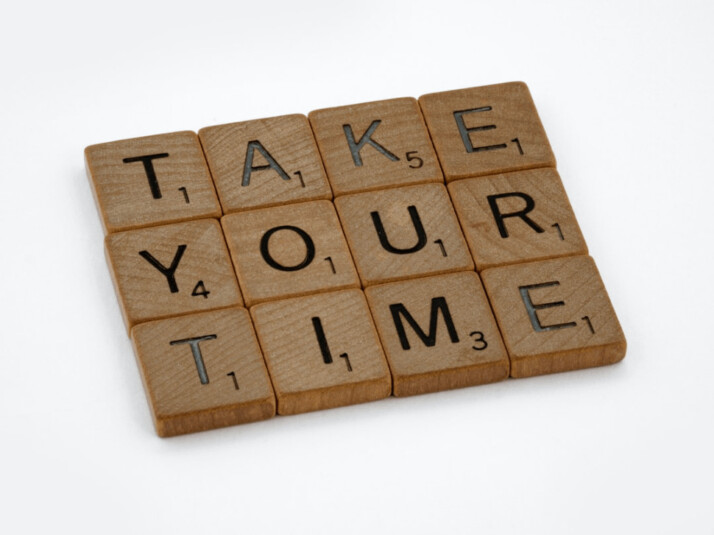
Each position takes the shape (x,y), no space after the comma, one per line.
(286,251)
(171,270)
(151,181)
(265,162)
(486,130)
(203,371)
(516,217)
(375,145)
(554,315)
(322,351)
(403,232)
(438,333)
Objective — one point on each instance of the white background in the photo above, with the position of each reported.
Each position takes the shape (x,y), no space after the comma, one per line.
(625,91)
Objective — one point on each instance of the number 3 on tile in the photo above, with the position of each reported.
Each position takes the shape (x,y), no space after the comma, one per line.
(200,289)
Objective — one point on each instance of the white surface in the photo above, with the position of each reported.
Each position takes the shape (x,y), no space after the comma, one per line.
(625,92)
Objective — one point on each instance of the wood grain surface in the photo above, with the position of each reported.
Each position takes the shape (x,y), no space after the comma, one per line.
(516,217)
(554,316)
(486,130)
(375,145)
(286,251)
(438,333)
(150,181)
(421,234)
(202,277)
(300,335)
(265,162)
(203,371)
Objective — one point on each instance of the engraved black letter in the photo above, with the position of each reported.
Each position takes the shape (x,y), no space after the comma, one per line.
(168,272)
(197,356)
(356,147)
(437,304)
(499,217)
(248,168)
(149,169)
(464,130)
(533,309)
(416,221)
(309,248)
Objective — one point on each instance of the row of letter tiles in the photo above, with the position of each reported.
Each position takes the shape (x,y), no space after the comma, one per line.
(207,370)
(362,239)
(176,177)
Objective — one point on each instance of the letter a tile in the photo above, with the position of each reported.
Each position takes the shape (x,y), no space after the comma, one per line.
(265,162)
(322,351)
(401,233)
(554,315)
(151,181)
(486,130)
(516,217)
(438,333)
(171,270)
(286,251)
(203,371)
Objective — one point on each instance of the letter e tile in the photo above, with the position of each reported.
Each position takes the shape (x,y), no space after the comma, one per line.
(203,371)
(554,315)
(322,351)
(438,333)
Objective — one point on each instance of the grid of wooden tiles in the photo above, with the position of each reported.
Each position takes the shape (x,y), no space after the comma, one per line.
(389,248)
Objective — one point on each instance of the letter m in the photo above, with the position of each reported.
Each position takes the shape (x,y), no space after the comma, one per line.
(438,304)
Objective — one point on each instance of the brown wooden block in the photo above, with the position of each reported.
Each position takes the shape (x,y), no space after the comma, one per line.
(554,315)
(171,270)
(286,251)
(203,371)
(516,217)
(322,351)
(403,232)
(375,145)
(486,130)
(151,181)
(438,333)
(265,162)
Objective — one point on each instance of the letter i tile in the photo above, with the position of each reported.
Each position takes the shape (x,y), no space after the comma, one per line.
(322,351)
(203,371)
(554,315)
(171,270)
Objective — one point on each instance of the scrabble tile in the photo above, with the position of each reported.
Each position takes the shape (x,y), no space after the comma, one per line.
(265,162)
(151,181)
(554,315)
(375,145)
(203,371)
(287,251)
(322,351)
(402,233)
(171,270)
(486,130)
(516,217)
(438,333)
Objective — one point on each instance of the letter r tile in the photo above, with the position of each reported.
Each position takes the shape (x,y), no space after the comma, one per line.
(203,371)
(151,181)
(404,232)
(486,130)
(291,250)
(171,270)
(375,145)
(438,333)
(322,351)
(265,162)
(554,315)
